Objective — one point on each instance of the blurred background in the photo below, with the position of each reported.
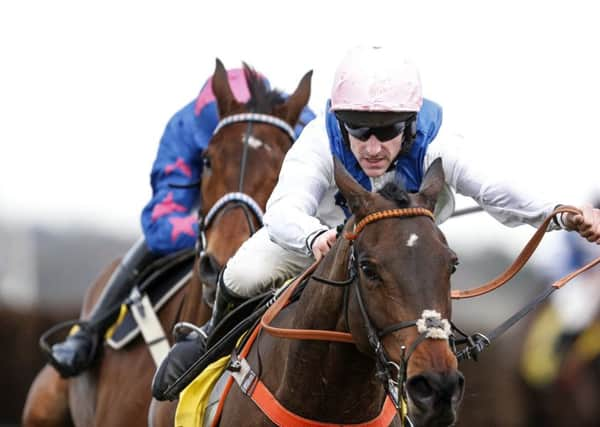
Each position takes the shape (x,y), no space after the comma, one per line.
(87,88)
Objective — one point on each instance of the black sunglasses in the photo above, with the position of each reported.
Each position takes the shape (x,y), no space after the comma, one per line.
(382,133)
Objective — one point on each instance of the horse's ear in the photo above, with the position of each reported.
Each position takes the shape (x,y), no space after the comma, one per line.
(432,184)
(356,196)
(291,109)
(226,101)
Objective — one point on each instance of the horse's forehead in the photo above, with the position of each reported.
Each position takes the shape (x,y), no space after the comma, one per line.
(402,233)
(235,143)
(258,137)
(412,240)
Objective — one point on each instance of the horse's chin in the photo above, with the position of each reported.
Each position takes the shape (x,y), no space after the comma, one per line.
(441,417)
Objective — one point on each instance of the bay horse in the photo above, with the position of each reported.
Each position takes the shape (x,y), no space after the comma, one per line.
(370,327)
(241,166)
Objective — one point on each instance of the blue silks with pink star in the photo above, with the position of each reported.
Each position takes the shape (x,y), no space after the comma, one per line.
(169,220)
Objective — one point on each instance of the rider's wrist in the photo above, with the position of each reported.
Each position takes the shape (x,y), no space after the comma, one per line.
(557,222)
(310,240)
(562,221)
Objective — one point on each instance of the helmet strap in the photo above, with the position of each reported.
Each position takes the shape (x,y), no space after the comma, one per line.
(408,138)
(344,132)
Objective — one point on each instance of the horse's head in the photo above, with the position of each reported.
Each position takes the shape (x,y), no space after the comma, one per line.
(242,162)
(403,264)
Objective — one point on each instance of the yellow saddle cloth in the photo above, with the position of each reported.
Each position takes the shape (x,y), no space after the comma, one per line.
(194,398)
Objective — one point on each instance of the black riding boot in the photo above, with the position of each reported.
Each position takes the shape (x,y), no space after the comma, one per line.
(79,350)
(189,348)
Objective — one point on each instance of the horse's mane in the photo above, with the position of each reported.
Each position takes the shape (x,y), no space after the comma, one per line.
(262,99)
(395,192)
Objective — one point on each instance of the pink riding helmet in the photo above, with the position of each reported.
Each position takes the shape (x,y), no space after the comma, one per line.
(376,79)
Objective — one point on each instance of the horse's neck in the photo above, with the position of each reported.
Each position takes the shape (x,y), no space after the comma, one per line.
(328,379)
(321,306)
(194,308)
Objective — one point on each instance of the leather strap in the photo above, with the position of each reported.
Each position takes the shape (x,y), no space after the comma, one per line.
(304,334)
(518,264)
(280,416)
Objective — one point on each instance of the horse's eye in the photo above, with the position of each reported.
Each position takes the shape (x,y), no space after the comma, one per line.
(206,162)
(455,264)
(369,271)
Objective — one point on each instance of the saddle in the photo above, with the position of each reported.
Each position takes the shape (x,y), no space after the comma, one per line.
(159,281)
(153,287)
(199,400)
(226,337)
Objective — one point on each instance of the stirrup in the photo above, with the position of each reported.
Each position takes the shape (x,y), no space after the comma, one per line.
(178,334)
(47,348)
(43,341)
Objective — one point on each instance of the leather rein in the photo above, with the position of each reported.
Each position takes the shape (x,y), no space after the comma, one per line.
(522,259)
(476,343)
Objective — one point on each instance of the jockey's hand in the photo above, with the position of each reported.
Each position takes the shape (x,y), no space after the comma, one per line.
(587,224)
(323,243)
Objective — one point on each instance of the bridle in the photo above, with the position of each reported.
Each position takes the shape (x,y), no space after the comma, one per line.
(228,201)
(475,343)
(239,199)
(429,326)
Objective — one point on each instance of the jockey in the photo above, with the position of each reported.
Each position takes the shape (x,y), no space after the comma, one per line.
(169,220)
(382,129)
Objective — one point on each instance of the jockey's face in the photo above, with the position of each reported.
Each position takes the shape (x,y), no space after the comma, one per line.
(374,156)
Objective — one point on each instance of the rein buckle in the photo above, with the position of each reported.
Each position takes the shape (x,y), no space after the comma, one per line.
(243,374)
(476,344)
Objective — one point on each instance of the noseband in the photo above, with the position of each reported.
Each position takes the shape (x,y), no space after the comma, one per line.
(229,201)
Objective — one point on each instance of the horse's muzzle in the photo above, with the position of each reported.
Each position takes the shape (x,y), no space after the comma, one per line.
(434,397)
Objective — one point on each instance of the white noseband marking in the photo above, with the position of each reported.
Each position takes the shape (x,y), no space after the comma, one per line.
(412,240)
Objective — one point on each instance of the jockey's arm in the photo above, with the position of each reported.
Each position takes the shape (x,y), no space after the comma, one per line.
(169,220)
(510,206)
(305,177)
(501,200)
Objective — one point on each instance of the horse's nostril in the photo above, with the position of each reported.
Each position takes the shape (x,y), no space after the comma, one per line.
(460,389)
(419,388)
(430,389)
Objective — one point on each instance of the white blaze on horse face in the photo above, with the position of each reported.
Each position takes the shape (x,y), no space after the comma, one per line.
(256,143)
(412,239)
